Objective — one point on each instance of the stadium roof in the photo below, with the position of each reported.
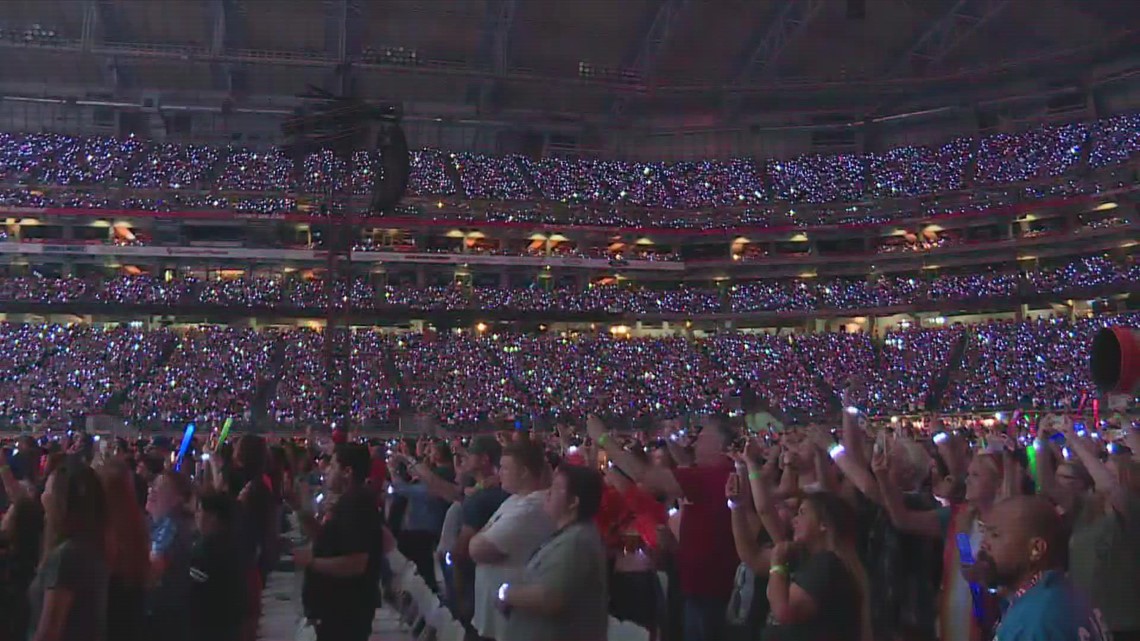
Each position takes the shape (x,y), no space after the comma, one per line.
(604,62)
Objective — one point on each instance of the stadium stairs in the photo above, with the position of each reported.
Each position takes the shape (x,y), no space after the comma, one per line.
(942,382)
(530,181)
(117,399)
(517,383)
(970,172)
(267,387)
(826,391)
(453,175)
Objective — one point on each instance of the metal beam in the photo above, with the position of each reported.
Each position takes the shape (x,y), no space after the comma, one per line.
(494,51)
(642,62)
(343,40)
(962,20)
(114,28)
(769,43)
(227,28)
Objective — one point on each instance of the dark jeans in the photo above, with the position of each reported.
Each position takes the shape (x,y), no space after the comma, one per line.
(419,547)
(704,618)
(353,628)
(633,597)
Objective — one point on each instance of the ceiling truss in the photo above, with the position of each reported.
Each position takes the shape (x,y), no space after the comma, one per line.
(643,61)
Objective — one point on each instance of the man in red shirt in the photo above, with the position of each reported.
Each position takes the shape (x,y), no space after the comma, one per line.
(706,557)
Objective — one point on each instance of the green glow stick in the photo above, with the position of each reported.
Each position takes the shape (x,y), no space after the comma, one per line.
(1031,454)
(225,430)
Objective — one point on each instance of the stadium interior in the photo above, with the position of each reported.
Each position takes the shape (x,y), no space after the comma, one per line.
(423,235)
(644,212)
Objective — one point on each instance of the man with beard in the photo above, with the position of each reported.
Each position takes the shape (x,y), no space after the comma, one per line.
(1024,551)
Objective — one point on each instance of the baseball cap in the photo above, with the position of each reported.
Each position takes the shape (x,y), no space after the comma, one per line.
(488,445)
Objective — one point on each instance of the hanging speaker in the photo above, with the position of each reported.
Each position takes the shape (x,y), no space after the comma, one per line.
(391,177)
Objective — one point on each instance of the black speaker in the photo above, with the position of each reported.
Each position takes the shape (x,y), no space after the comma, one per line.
(391,177)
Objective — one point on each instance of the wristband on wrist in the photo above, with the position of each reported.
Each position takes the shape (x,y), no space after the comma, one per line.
(752,476)
(778,569)
(603,439)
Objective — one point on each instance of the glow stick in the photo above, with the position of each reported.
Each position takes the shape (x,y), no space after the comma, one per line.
(225,430)
(1031,455)
(187,436)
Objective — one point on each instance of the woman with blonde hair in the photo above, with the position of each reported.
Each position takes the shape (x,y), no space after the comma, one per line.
(817,587)
(965,612)
(128,553)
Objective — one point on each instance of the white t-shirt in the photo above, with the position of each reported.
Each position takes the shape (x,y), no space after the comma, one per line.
(452,524)
(517,529)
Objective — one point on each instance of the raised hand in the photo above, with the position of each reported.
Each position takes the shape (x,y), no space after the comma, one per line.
(595,427)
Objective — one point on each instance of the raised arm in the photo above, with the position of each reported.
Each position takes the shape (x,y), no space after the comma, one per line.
(746,527)
(651,477)
(921,522)
(763,501)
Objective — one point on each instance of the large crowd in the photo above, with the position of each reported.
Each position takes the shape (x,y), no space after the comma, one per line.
(59,375)
(927,529)
(787,486)
(1077,276)
(999,169)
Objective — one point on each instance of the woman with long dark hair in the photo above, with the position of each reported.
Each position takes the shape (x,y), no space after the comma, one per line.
(69,593)
(817,587)
(128,558)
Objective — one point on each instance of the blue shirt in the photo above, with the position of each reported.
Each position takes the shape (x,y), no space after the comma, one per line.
(1052,610)
(425,511)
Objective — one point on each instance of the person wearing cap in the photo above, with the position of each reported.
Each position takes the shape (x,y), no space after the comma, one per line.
(485,497)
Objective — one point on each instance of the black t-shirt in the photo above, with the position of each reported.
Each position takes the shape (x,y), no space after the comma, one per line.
(353,526)
(481,506)
(219,582)
(827,580)
(904,570)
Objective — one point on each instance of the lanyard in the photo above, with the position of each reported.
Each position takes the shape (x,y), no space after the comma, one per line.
(1013,598)
(1025,587)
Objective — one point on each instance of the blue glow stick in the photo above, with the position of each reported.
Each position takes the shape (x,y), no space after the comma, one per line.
(187,436)
(966,556)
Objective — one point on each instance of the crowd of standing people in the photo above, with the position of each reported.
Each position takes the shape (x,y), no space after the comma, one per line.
(1019,529)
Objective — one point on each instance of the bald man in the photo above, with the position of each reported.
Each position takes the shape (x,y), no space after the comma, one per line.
(1024,550)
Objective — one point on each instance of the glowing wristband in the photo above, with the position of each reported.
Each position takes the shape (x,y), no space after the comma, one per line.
(603,439)
(941,438)
(754,476)
(732,504)
(503,592)
(778,569)
(835,451)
